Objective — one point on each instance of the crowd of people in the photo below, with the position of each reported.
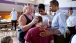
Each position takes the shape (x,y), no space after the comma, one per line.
(43,28)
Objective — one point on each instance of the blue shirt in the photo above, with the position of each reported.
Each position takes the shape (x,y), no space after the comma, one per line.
(59,22)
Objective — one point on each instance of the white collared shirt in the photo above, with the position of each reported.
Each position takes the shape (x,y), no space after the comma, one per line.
(73,14)
(13,15)
(71,21)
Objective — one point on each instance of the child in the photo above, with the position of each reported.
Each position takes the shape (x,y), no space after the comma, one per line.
(7,39)
(33,36)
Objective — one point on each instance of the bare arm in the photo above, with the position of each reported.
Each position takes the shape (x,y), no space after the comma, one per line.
(22,23)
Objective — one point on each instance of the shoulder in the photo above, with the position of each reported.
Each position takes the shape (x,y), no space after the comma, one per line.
(71,17)
(33,29)
(22,17)
(74,14)
(61,14)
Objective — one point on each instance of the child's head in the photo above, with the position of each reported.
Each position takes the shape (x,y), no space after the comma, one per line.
(39,23)
(7,39)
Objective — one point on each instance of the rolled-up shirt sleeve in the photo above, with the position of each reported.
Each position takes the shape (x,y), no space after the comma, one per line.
(62,23)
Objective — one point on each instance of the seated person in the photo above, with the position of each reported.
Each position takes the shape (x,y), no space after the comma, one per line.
(7,39)
(33,35)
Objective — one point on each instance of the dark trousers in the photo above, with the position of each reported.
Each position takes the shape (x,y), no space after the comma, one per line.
(14,24)
(59,39)
(72,32)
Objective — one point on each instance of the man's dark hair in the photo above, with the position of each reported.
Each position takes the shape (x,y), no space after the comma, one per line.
(39,19)
(70,8)
(55,2)
(41,6)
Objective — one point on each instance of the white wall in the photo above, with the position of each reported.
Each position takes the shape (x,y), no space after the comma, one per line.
(23,1)
(39,1)
(27,1)
(63,3)
(8,7)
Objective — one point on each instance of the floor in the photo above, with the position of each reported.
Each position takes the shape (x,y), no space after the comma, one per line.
(10,33)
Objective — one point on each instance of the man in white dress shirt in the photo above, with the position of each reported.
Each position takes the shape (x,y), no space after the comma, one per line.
(71,23)
(13,15)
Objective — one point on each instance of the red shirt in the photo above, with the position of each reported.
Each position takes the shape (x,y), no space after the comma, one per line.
(33,36)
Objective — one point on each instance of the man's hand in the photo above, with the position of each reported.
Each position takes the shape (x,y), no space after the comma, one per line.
(56,32)
(68,32)
(45,33)
(35,20)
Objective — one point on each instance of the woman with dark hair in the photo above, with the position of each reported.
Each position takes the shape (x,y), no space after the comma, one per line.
(43,14)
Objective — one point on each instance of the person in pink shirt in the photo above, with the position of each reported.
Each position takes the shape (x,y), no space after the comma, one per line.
(33,35)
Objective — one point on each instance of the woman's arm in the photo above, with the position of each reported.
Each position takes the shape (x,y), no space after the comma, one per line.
(22,23)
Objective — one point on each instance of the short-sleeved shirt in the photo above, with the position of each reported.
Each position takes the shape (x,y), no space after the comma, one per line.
(33,36)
